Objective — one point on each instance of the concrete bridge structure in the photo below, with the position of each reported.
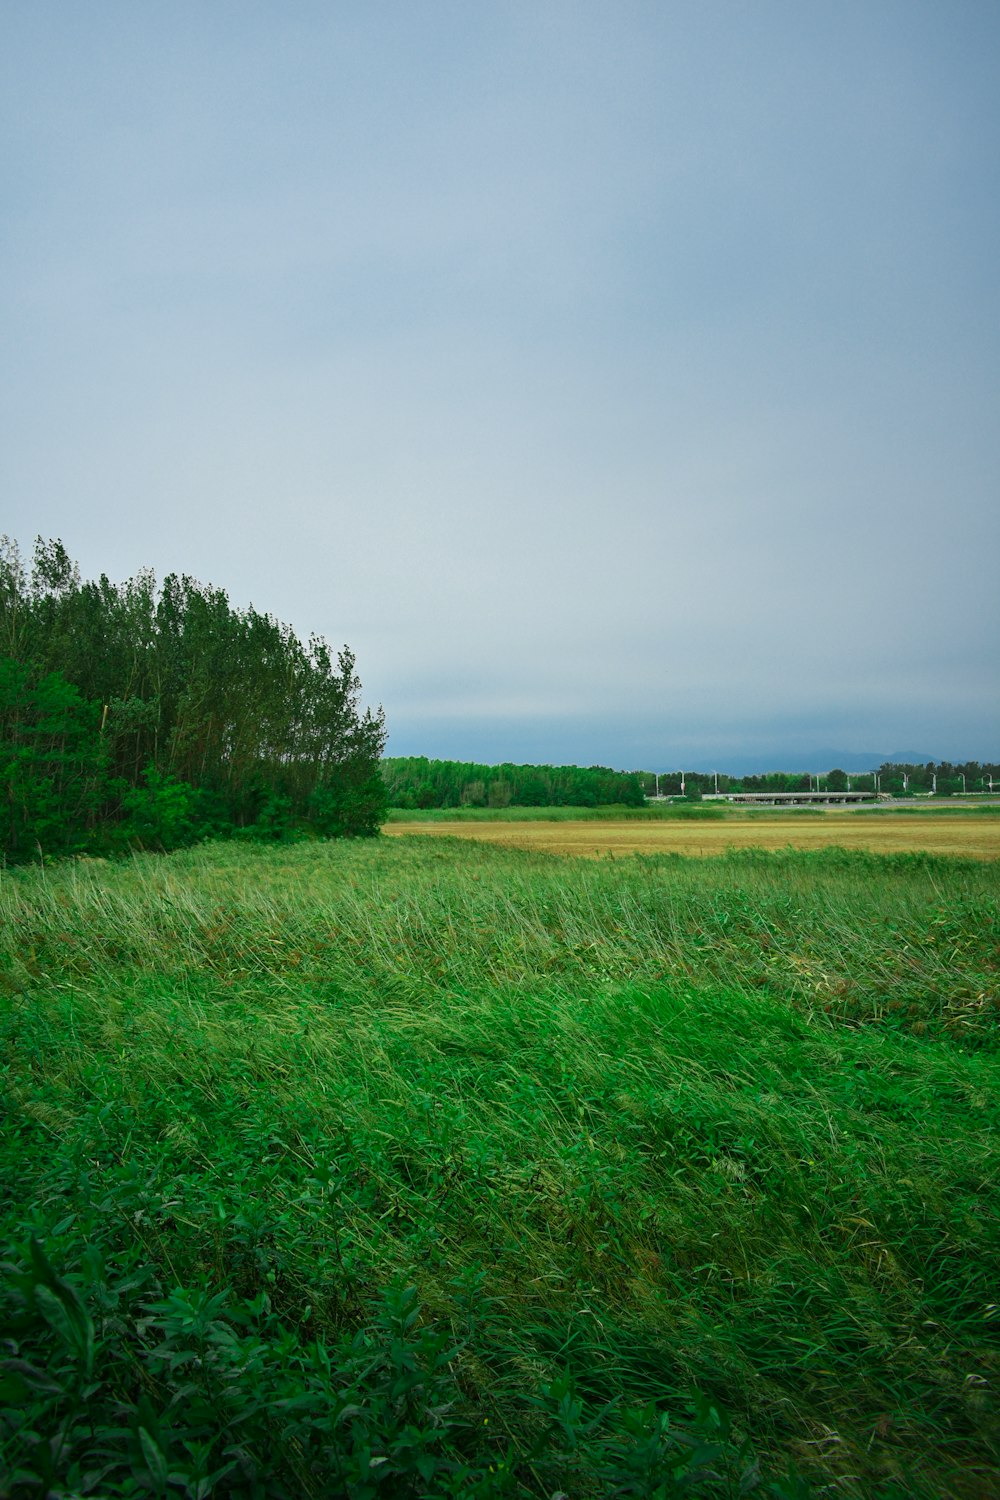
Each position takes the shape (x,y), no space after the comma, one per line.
(795,799)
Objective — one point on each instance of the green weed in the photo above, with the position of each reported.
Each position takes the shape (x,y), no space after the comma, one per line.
(428,1168)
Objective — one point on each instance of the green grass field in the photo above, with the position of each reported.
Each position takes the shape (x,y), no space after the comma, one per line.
(426,1167)
(673,811)
(649,813)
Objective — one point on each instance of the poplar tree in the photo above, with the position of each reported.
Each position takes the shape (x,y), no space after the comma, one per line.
(130,707)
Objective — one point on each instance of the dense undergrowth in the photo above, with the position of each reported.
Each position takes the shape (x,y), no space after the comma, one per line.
(426,1168)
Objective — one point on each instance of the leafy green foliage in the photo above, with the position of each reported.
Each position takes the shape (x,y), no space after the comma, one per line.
(52,766)
(353,804)
(136,716)
(163,813)
(416,782)
(194,1393)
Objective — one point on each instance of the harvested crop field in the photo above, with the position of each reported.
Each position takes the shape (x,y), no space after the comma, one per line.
(961,835)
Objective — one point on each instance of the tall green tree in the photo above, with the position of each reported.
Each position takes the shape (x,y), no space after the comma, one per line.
(198,714)
(53,773)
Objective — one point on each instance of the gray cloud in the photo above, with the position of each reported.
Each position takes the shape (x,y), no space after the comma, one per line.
(608,381)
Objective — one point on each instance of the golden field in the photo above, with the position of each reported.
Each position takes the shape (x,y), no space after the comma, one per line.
(884,833)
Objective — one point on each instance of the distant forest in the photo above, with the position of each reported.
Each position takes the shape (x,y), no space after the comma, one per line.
(417,782)
(414,781)
(137,715)
(941,777)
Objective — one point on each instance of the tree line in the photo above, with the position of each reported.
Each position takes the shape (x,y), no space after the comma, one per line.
(415,781)
(895,778)
(137,714)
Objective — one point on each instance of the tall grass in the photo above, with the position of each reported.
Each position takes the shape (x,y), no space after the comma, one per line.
(630,1130)
(612,812)
(679,811)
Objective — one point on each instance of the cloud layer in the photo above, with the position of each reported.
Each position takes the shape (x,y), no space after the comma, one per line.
(620,383)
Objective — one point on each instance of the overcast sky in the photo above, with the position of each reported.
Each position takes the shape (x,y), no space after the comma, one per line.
(620,380)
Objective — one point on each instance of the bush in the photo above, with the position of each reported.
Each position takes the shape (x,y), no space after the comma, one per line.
(354,805)
(163,813)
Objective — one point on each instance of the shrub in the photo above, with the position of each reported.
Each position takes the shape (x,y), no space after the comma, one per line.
(163,813)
